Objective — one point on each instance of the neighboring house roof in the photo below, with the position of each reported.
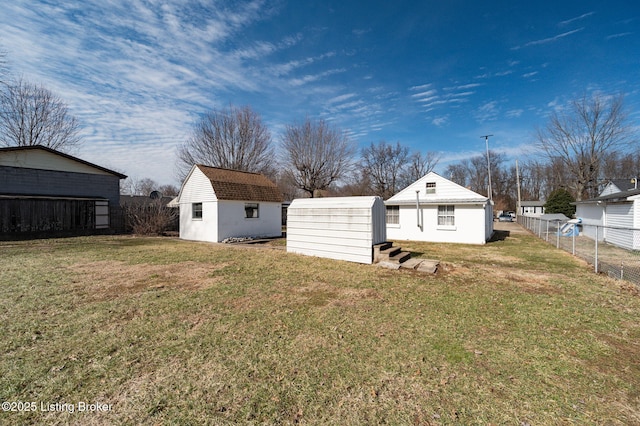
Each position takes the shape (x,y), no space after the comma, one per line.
(620,185)
(616,196)
(531,203)
(241,186)
(6,160)
(553,216)
(446,192)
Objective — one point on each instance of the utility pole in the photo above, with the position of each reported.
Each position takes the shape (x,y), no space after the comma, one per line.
(486,140)
(519,208)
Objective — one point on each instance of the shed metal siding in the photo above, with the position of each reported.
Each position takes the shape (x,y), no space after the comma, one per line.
(343,228)
(620,215)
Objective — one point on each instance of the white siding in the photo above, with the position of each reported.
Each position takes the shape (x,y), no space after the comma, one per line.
(488,222)
(473,213)
(610,189)
(204,229)
(44,160)
(197,189)
(445,190)
(232,221)
(344,228)
(620,215)
(591,214)
(473,225)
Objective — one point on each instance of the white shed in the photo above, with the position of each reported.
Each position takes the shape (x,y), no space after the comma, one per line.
(436,209)
(343,228)
(220,203)
(618,212)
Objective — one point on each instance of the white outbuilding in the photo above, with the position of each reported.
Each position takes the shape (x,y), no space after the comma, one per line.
(436,209)
(617,212)
(217,203)
(343,228)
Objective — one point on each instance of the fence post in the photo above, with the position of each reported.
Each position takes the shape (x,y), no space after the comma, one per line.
(596,256)
(558,235)
(546,234)
(573,249)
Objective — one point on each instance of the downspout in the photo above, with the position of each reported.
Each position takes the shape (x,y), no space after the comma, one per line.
(418,208)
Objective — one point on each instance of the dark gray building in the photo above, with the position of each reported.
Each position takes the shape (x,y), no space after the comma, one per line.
(44,192)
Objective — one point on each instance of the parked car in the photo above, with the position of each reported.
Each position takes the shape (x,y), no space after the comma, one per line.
(505,217)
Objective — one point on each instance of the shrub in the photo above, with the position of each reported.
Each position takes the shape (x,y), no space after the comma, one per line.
(152,218)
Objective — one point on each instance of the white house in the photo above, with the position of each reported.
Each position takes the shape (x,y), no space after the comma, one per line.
(531,208)
(613,211)
(436,209)
(343,228)
(220,203)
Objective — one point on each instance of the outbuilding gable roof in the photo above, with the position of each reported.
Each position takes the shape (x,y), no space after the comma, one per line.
(241,186)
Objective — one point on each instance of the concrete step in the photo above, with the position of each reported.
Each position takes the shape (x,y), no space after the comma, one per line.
(422,265)
(388,253)
(400,257)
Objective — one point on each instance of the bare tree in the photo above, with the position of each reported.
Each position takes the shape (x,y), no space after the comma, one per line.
(33,115)
(419,165)
(458,173)
(581,136)
(383,164)
(316,155)
(4,69)
(168,190)
(232,138)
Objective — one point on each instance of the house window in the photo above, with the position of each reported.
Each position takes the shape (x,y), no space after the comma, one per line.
(431,188)
(393,215)
(196,211)
(251,210)
(446,216)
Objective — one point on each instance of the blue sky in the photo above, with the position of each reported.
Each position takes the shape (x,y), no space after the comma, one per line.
(434,75)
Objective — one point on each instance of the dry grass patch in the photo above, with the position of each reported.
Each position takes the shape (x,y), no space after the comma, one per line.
(108,279)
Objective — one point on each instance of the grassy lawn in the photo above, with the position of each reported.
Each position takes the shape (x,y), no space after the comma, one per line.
(174,332)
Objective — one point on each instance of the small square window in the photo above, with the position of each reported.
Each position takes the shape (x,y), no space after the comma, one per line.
(251,210)
(196,211)
(393,215)
(431,188)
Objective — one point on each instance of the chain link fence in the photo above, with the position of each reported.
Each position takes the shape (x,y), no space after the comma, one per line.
(611,250)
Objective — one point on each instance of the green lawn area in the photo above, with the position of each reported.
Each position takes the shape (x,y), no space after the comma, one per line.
(173,332)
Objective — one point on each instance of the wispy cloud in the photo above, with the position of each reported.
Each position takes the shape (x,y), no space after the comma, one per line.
(548,40)
(487,112)
(612,36)
(440,121)
(577,18)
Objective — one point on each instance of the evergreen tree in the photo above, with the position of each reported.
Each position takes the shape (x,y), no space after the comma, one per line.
(560,202)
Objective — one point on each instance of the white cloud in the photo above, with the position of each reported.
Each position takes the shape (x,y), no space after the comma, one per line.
(569,21)
(548,40)
(440,121)
(487,112)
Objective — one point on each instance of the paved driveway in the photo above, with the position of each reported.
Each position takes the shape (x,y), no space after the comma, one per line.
(512,227)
